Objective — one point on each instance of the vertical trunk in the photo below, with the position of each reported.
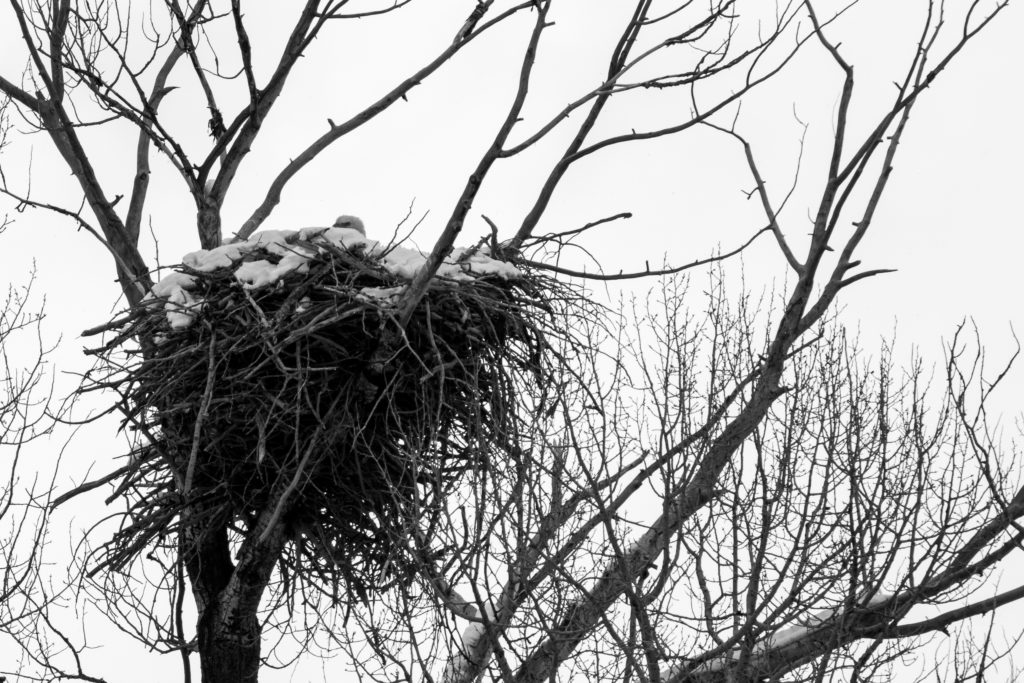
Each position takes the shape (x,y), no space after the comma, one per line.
(208,221)
(228,588)
(229,653)
(229,647)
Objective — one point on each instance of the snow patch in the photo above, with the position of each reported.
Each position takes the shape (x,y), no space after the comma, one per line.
(879,598)
(180,307)
(459,662)
(171,283)
(805,625)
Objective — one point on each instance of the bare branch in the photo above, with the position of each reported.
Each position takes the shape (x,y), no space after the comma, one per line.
(337,131)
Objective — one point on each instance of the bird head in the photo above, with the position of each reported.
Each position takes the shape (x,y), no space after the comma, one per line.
(351,222)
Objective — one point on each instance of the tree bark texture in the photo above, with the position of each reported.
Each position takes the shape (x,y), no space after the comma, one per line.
(227,594)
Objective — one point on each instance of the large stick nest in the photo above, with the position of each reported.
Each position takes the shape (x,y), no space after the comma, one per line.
(305,401)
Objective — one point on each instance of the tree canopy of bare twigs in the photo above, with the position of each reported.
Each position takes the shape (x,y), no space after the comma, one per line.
(25,418)
(715,487)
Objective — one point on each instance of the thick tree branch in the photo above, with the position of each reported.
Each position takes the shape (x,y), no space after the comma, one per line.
(946,619)
(577,149)
(337,131)
(133,220)
(132,271)
(443,247)
(19,95)
(878,620)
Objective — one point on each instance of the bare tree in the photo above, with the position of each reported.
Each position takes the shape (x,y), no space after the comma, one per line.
(806,501)
(25,417)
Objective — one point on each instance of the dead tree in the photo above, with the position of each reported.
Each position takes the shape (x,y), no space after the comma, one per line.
(803,509)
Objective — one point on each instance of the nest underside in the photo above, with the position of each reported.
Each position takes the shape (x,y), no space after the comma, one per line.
(309,393)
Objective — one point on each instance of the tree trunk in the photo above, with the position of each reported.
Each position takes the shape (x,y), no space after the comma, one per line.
(229,648)
(227,592)
(226,652)
(229,653)
(208,221)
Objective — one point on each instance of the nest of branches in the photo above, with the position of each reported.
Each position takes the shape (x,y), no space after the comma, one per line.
(304,405)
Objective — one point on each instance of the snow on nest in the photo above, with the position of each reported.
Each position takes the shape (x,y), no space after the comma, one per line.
(180,304)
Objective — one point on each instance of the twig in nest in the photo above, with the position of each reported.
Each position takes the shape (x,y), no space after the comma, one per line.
(211,374)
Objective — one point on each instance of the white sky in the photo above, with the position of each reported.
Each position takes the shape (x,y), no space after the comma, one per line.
(950,221)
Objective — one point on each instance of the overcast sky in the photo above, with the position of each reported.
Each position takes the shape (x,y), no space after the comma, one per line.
(950,222)
(946,223)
